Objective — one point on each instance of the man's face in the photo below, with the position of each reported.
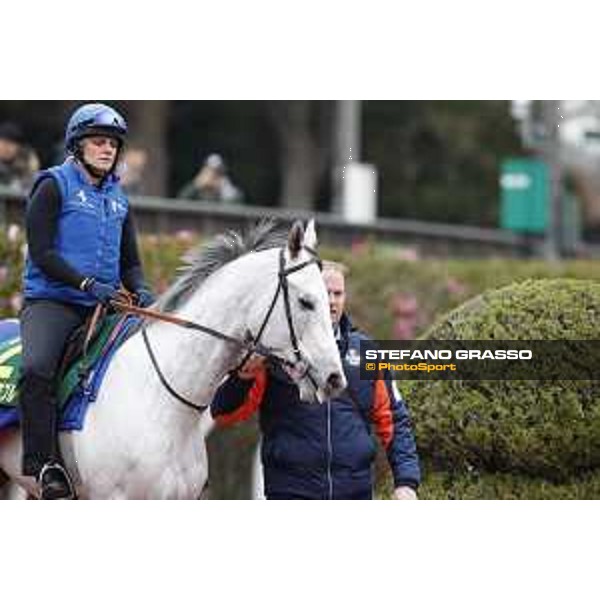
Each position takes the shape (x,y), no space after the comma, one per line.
(100,151)
(336,290)
(8,150)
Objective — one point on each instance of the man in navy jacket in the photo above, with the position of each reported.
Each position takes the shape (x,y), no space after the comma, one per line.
(324,451)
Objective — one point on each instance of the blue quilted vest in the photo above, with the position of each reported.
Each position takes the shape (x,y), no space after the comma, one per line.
(89,234)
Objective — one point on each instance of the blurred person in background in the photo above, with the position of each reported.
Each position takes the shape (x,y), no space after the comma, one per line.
(82,246)
(11,144)
(135,160)
(405,315)
(27,166)
(212,183)
(324,451)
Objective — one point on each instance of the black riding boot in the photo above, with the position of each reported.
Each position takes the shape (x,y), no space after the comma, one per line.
(38,422)
(40,438)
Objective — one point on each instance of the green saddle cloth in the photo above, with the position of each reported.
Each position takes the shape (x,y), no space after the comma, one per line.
(10,365)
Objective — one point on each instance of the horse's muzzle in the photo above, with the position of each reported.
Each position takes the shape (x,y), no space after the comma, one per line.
(334,385)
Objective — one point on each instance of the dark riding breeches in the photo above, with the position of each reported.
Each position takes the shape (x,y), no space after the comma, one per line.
(46,326)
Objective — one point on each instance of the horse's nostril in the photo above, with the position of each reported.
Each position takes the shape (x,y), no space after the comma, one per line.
(334,381)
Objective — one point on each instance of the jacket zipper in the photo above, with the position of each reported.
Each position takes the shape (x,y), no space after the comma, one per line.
(329,451)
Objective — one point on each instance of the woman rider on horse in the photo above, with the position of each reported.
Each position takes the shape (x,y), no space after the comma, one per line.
(81,248)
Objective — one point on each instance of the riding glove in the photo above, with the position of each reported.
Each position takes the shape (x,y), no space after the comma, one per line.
(144,297)
(100,291)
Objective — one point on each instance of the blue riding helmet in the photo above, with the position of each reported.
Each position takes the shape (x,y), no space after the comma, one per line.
(94,119)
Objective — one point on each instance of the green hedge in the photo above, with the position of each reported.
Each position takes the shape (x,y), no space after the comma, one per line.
(523,427)
(453,484)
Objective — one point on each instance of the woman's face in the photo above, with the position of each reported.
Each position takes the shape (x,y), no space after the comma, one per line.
(100,152)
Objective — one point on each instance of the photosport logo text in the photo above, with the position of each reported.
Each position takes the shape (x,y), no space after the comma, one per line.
(483,360)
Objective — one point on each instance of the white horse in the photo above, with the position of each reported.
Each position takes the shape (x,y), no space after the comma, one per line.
(139,440)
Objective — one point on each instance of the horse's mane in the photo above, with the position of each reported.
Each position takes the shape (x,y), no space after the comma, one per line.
(203,261)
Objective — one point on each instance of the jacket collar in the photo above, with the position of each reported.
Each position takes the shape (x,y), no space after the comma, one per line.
(345,327)
(108,182)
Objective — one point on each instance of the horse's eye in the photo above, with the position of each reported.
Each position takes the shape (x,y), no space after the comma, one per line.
(307,304)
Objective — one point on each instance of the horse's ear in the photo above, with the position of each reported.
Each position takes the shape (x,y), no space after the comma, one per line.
(310,235)
(295,238)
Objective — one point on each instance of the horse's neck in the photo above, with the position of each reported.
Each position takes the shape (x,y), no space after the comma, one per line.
(194,363)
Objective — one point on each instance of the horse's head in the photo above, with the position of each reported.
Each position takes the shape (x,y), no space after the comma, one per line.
(296,325)
(262,293)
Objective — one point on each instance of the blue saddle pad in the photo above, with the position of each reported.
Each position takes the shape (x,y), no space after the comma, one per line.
(9,329)
(73,414)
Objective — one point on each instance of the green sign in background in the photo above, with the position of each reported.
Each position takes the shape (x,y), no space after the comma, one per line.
(525,188)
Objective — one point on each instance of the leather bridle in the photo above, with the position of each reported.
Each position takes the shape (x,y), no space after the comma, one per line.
(300,367)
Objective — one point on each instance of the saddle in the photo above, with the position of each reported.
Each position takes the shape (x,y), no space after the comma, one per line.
(84,347)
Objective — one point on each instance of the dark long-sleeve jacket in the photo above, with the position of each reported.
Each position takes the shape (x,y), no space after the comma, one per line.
(327,450)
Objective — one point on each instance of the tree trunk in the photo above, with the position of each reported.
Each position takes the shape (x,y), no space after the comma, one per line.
(587,186)
(302,150)
(149,121)
(299,176)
